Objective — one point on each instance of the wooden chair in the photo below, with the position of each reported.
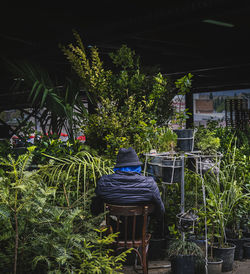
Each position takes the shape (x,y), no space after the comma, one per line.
(132,221)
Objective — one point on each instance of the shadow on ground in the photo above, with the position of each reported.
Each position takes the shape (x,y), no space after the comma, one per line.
(155,267)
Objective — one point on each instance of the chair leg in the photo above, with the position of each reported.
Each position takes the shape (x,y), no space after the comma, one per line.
(147,258)
(144,260)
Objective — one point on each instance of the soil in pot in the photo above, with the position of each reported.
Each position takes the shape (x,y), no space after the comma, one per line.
(183,264)
(185,139)
(171,171)
(246,250)
(214,266)
(227,255)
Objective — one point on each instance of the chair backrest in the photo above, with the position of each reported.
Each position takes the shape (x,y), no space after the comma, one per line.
(129,220)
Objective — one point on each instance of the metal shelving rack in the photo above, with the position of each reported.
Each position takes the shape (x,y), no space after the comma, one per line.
(174,157)
(199,167)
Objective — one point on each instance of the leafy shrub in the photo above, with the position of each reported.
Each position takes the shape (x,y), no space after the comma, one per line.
(42,232)
(128,103)
(96,258)
(180,247)
(206,141)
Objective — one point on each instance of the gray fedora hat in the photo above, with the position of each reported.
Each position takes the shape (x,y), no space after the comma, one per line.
(127,157)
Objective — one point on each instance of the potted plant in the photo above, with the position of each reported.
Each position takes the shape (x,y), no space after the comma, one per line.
(246,250)
(185,137)
(223,193)
(163,142)
(185,140)
(206,141)
(187,221)
(172,168)
(184,256)
(235,230)
(208,144)
(214,265)
(165,162)
(157,244)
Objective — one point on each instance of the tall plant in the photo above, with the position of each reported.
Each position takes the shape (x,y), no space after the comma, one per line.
(16,191)
(57,104)
(224,191)
(206,141)
(41,232)
(69,240)
(126,99)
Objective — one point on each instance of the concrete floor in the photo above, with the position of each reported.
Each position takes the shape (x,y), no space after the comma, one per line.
(155,267)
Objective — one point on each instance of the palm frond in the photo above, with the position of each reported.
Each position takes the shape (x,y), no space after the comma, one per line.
(83,166)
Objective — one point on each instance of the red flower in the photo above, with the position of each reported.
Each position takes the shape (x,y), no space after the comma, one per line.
(81,138)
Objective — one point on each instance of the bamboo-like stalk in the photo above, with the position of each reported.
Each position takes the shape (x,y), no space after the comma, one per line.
(224,192)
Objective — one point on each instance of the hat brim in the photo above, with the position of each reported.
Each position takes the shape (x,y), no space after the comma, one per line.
(129,164)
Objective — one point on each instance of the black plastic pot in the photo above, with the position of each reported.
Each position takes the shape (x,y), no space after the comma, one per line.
(227,255)
(246,250)
(185,139)
(201,242)
(238,254)
(154,167)
(156,250)
(171,170)
(183,264)
(214,267)
(246,234)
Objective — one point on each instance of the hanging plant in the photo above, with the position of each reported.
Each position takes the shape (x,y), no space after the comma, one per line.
(187,221)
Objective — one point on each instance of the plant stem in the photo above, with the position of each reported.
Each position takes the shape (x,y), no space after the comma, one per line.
(212,242)
(65,194)
(16,242)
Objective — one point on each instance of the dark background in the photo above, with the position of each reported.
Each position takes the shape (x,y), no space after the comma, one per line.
(169,34)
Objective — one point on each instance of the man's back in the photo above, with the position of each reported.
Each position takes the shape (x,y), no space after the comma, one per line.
(129,188)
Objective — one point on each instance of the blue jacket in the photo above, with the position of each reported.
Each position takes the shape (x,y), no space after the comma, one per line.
(129,188)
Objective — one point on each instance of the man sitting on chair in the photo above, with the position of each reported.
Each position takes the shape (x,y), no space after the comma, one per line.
(127,185)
